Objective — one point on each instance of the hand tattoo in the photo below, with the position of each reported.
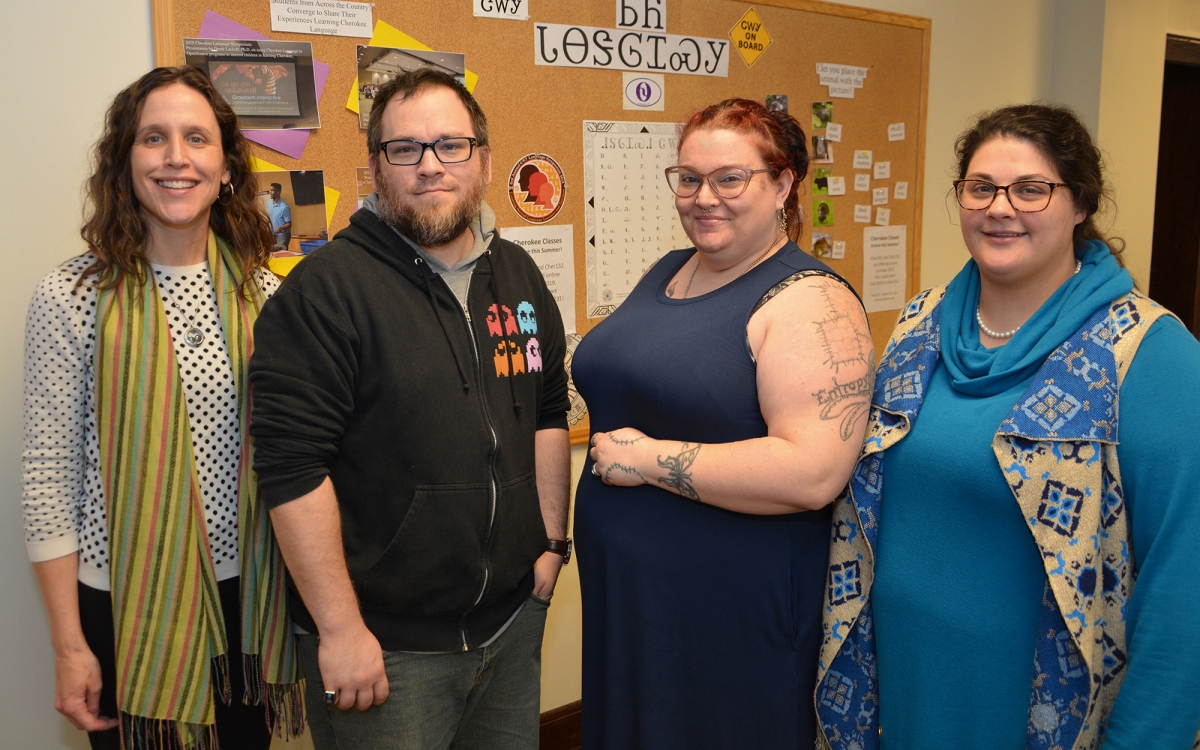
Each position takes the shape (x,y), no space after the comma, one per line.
(677,467)
(623,468)
(619,441)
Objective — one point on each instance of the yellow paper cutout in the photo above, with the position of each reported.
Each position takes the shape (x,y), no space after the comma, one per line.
(386,35)
(281,266)
(261,165)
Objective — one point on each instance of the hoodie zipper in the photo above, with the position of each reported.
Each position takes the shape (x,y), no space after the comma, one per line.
(493,489)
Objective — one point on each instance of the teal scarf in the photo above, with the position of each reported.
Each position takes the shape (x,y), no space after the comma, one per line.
(976,371)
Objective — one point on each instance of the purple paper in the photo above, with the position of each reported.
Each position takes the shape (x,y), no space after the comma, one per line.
(289,142)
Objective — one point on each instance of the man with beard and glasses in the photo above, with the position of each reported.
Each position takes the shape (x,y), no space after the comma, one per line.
(409,415)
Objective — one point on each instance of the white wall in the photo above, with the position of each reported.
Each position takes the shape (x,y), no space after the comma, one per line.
(1034,49)
(61,63)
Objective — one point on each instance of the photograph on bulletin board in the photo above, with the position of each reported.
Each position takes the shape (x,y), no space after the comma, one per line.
(270,85)
(378,65)
(294,202)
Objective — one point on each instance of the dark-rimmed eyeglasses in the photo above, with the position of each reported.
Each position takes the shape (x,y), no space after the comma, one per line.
(406,153)
(727,182)
(1026,196)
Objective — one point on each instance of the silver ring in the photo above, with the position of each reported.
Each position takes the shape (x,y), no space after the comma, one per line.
(330,697)
(594,472)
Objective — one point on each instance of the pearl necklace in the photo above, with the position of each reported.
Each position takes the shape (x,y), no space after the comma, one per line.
(745,270)
(1008,334)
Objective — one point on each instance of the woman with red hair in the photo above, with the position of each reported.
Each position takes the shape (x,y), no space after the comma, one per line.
(728,398)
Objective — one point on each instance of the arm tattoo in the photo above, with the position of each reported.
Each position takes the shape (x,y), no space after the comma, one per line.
(848,401)
(677,467)
(625,469)
(844,342)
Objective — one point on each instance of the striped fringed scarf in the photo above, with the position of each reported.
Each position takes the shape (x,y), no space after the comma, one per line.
(170,639)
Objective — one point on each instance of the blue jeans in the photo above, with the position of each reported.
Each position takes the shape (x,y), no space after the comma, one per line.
(486,699)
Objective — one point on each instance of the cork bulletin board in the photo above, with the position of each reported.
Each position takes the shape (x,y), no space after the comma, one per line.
(540,109)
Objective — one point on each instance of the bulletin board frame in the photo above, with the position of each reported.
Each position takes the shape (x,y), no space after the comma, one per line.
(538,109)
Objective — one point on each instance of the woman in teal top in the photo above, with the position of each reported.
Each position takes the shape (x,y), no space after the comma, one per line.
(1037,426)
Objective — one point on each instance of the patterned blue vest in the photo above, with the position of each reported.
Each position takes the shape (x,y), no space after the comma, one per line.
(1057,449)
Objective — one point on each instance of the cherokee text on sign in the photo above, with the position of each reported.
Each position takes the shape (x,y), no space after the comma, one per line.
(625,49)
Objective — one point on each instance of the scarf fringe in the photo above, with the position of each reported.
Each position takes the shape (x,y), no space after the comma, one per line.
(221,678)
(142,733)
(284,703)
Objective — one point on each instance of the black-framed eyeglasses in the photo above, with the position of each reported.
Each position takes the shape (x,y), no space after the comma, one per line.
(727,182)
(1026,196)
(406,153)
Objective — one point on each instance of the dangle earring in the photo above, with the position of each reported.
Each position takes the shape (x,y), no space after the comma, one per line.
(225,198)
(783,220)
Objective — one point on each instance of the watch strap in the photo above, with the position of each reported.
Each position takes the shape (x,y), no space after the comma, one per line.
(560,547)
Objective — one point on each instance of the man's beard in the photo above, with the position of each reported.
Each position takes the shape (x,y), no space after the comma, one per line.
(433,226)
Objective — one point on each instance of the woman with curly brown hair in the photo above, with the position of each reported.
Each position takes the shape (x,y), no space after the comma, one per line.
(156,561)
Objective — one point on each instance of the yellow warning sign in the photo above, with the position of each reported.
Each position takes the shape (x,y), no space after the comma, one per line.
(750,37)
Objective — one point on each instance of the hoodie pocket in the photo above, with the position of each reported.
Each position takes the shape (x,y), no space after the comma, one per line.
(518,536)
(434,563)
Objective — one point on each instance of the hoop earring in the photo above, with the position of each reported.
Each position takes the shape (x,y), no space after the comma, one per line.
(783,227)
(225,198)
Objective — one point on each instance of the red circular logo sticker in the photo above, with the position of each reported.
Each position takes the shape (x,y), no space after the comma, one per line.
(536,188)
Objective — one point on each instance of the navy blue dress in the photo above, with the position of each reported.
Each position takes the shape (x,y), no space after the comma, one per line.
(701,626)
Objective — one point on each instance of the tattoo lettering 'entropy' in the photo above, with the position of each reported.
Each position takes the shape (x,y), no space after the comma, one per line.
(677,466)
(845,344)
(848,401)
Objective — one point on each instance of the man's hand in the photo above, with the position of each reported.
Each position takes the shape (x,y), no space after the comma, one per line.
(309,530)
(545,574)
(77,690)
(352,667)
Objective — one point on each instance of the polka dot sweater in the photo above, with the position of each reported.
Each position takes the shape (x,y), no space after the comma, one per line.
(63,494)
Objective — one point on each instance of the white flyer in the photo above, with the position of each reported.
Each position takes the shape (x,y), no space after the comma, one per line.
(328,17)
(552,247)
(833,132)
(884,268)
(862,214)
(896,131)
(837,185)
(862,159)
(879,196)
(883,217)
(883,170)
(900,192)
(650,15)
(644,91)
(514,10)
(839,250)
(862,182)
(629,212)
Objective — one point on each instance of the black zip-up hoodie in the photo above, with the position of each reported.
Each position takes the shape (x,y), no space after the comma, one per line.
(366,370)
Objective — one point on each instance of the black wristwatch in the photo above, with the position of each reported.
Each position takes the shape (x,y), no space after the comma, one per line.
(560,547)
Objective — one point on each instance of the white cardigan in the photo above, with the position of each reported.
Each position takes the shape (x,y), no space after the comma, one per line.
(63,495)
